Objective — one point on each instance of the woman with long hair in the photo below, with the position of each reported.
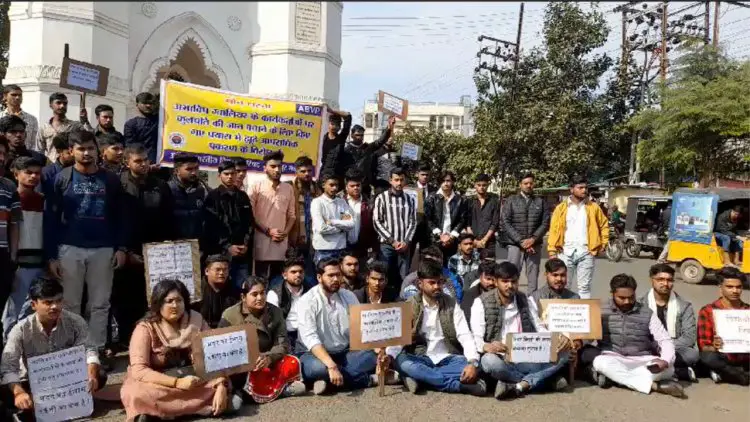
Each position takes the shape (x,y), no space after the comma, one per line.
(160,346)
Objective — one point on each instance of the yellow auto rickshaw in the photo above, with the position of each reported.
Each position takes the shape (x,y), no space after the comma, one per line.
(692,242)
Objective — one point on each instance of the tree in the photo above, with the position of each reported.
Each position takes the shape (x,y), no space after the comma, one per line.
(703,123)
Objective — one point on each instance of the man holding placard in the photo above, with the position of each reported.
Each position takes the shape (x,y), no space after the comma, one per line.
(629,332)
(723,331)
(678,318)
(49,329)
(505,311)
(442,354)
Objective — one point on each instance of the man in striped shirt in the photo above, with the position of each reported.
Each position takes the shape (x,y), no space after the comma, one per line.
(395,221)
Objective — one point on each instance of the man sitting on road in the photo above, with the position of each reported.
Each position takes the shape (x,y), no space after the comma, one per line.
(374,289)
(286,295)
(733,368)
(324,336)
(629,330)
(488,271)
(502,311)
(410,285)
(442,354)
(678,318)
(466,258)
(556,274)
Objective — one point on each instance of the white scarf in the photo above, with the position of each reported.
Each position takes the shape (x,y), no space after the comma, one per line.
(672,308)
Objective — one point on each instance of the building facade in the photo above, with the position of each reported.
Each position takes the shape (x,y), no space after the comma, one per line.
(284,50)
(448,117)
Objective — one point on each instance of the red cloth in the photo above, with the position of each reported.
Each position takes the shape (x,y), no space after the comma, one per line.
(707,330)
(267,384)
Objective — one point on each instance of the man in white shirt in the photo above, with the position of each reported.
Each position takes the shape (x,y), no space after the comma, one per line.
(331,221)
(503,311)
(286,295)
(324,336)
(443,355)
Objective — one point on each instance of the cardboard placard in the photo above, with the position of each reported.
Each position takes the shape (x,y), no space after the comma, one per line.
(390,104)
(531,347)
(225,351)
(411,151)
(84,77)
(416,194)
(59,385)
(733,326)
(578,319)
(379,325)
(173,260)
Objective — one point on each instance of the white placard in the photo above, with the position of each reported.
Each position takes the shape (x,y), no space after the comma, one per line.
(59,385)
(531,347)
(410,151)
(170,261)
(380,324)
(225,351)
(733,326)
(568,317)
(83,77)
(393,104)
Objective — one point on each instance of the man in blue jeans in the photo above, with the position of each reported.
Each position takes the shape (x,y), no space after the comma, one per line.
(726,235)
(324,336)
(503,311)
(332,219)
(443,355)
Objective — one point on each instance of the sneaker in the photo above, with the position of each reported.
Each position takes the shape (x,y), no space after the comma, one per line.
(602,381)
(561,383)
(319,387)
(691,375)
(296,388)
(671,388)
(478,389)
(391,378)
(411,385)
(235,403)
(503,390)
(715,377)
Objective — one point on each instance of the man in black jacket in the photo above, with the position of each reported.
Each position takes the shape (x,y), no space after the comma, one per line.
(334,142)
(189,194)
(484,211)
(358,154)
(228,224)
(447,216)
(525,220)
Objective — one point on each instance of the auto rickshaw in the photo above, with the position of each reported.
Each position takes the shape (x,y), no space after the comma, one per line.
(643,231)
(692,244)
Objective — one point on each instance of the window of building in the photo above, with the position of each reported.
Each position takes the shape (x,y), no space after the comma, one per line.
(449,122)
(368,120)
(441,122)
(433,122)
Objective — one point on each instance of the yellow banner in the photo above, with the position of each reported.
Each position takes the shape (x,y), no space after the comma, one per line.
(215,125)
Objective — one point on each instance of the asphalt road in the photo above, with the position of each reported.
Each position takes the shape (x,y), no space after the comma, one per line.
(707,401)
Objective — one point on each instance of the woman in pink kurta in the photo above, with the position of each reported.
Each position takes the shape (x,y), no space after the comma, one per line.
(161,341)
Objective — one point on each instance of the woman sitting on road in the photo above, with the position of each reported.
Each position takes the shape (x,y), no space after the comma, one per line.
(162,341)
(276,373)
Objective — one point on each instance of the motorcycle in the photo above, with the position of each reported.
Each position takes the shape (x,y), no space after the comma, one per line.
(615,247)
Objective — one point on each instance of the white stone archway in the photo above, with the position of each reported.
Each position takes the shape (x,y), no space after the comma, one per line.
(162,48)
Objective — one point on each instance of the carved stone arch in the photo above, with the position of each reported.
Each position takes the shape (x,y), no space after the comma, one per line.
(162,48)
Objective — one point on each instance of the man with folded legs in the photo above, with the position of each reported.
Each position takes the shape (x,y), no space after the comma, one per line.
(442,354)
(287,294)
(503,311)
(556,275)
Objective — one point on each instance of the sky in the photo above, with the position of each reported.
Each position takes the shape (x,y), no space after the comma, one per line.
(427,51)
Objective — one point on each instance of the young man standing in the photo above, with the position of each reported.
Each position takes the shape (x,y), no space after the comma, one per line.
(105,122)
(362,239)
(30,258)
(732,368)
(466,258)
(358,155)
(579,231)
(13,98)
(678,318)
(240,167)
(274,210)
(228,224)
(85,233)
(526,219)
(443,355)
(484,214)
(424,190)
(394,217)
(10,215)
(14,130)
(331,221)
(334,142)
(188,194)
(144,128)
(555,287)
(64,159)
(111,149)
(58,123)
(447,216)
(286,295)
(305,190)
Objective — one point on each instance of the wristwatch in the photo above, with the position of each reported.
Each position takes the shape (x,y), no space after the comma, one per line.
(474,363)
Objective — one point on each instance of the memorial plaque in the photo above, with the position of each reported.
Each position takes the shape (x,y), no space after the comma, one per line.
(308,22)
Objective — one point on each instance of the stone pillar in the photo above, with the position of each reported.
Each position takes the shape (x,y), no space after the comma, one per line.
(97,33)
(303,41)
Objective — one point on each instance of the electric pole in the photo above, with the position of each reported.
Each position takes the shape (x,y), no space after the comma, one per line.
(707,23)
(663,66)
(716,24)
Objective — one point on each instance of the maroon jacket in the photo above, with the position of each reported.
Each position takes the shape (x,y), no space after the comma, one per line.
(368,238)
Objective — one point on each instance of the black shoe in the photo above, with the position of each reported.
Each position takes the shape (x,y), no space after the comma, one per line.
(478,389)
(146,418)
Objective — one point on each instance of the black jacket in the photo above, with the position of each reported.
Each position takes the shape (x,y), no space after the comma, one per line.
(382,163)
(188,209)
(388,296)
(724,224)
(434,212)
(332,150)
(361,156)
(149,204)
(523,218)
(227,220)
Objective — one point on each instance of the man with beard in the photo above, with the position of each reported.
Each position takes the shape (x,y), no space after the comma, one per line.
(14,130)
(286,295)
(678,318)
(556,274)
(334,142)
(64,159)
(504,311)
(304,190)
(331,221)
(86,231)
(362,239)
(629,332)
(466,259)
(484,214)
(526,219)
(188,194)
(144,128)
(359,155)
(274,211)
(324,336)
(374,289)
(447,216)
(410,285)
(351,278)
(442,355)
(12,99)
(57,124)
(732,368)
(228,224)
(488,271)
(105,122)
(385,160)
(219,292)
